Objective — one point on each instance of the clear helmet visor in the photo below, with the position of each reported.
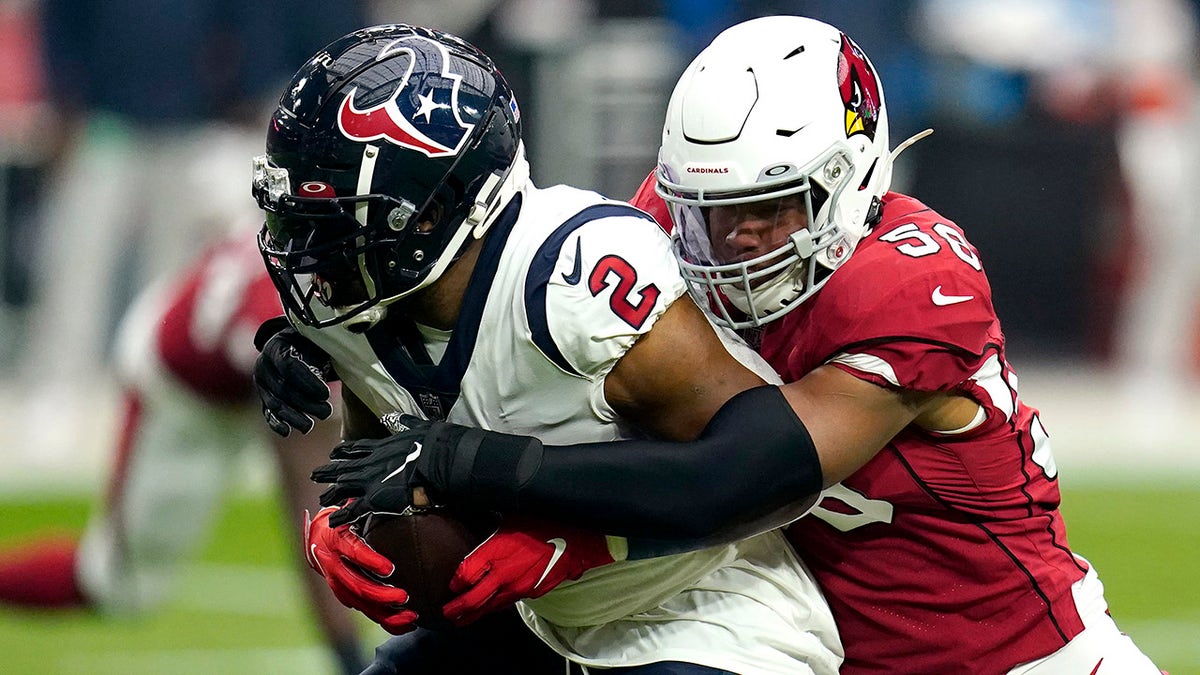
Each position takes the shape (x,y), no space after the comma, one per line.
(746,255)
(751,254)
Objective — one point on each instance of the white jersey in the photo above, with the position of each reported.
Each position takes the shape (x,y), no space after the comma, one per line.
(559,294)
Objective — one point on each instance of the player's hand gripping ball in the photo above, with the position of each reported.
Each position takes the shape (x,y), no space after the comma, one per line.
(426,545)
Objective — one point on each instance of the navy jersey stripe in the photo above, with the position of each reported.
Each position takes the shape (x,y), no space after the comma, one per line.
(397,344)
(542,266)
(470,317)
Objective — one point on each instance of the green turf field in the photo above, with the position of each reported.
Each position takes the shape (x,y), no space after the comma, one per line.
(240,609)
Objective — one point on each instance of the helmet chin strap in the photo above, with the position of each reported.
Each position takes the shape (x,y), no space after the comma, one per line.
(766,299)
(362,322)
(499,190)
(496,192)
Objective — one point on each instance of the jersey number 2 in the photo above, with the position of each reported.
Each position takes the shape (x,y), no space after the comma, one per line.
(630,312)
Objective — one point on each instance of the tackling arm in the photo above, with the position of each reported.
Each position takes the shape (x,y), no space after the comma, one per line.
(753,469)
(755,466)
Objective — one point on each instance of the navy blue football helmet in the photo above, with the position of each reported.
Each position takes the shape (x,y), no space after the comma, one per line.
(391,149)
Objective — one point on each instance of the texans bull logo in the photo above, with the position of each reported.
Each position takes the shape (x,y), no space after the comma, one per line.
(860,90)
(421,115)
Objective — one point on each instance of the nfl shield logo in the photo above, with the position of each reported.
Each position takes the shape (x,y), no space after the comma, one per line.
(431,404)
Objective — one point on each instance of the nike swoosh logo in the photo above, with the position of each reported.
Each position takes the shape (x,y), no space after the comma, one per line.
(560,547)
(576,273)
(411,456)
(941,300)
(1097,668)
(312,557)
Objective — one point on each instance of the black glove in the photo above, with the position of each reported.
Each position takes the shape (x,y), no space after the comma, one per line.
(379,474)
(291,375)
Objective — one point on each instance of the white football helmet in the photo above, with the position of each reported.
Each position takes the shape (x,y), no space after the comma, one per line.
(774,107)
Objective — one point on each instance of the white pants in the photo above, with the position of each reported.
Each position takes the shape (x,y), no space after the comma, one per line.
(177,455)
(1101,649)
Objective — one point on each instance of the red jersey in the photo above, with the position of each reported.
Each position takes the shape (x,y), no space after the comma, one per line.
(205,334)
(946,552)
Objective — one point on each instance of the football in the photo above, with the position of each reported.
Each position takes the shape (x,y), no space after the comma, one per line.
(426,546)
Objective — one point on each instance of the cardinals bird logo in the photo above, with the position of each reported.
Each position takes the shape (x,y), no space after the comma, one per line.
(422,114)
(860,90)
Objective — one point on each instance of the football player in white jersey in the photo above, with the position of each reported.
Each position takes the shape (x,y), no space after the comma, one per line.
(939,539)
(409,246)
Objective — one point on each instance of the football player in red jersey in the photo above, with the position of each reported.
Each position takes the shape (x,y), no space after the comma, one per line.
(185,351)
(938,539)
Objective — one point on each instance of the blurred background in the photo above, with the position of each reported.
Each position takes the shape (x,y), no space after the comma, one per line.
(1066,144)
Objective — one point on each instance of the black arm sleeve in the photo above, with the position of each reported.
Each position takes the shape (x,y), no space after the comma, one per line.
(753,468)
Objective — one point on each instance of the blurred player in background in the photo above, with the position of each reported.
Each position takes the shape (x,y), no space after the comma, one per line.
(408,244)
(185,352)
(938,539)
(157,113)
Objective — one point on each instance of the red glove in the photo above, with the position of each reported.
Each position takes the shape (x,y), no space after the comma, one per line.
(519,562)
(341,556)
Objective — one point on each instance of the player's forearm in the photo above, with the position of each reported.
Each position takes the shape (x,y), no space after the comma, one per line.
(753,468)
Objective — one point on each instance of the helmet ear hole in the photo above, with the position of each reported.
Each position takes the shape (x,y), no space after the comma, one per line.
(870,172)
(430,218)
